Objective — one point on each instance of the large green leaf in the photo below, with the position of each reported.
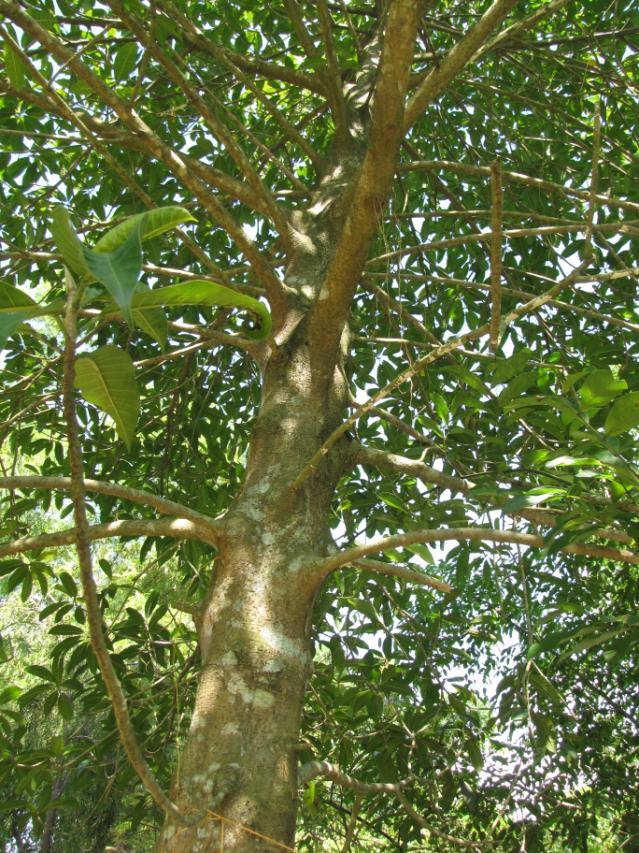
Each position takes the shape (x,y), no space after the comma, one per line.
(68,243)
(119,270)
(15,308)
(624,414)
(202,292)
(106,378)
(151,223)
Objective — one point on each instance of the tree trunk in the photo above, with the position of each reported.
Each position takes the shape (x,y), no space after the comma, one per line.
(240,758)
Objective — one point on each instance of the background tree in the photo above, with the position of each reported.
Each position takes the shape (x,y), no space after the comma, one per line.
(434,200)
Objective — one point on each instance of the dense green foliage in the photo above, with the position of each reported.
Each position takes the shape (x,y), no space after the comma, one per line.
(513,700)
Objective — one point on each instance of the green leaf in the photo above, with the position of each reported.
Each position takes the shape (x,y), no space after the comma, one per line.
(202,292)
(68,584)
(68,243)
(545,686)
(65,706)
(124,61)
(15,308)
(106,378)
(15,67)
(65,631)
(119,270)
(624,414)
(601,387)
(474,753)
(9,694)
(151,223)
(41,672)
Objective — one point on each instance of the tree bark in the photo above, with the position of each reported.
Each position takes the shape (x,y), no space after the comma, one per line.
(240,758)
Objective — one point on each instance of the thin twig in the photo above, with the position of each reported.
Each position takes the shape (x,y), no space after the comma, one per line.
(594,182)
(139,496)
(495,253)
(403,573)
(89,588)
(325,769)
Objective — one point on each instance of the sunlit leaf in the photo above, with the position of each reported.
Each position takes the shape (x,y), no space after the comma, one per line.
(151,223)
(119,270)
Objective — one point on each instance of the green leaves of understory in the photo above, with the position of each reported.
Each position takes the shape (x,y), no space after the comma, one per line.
(107,376)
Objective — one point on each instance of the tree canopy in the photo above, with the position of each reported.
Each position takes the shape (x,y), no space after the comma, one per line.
(442,196)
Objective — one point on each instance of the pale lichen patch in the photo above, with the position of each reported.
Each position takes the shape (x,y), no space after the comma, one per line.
(263,699)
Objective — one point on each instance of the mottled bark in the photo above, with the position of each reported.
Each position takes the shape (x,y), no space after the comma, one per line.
(240,759)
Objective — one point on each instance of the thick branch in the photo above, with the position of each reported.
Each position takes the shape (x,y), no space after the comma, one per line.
(403,573)
(367,196)
(391,462)
(456,60)
(210,119)
(325,769)
(138,496)
(464,534)
(403,465)
(514,31)
(177,528)
(518,177)
(332,75)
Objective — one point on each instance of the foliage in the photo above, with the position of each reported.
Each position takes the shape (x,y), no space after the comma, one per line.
(511,701)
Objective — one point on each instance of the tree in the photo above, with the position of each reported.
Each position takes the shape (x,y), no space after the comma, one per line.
(387,318)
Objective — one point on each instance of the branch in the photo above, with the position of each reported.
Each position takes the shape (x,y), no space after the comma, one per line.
(312,769)
(455,61)
(400,425)
(82,539)
(391,462)
(367,196)
(177,528)
(518,177)
(403,573)
(299,27)
(290,130)
(331,74)
(594,181)
(138,496)
(487,236)
(495,254)
(526,294)
(515,30)
(463,534)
